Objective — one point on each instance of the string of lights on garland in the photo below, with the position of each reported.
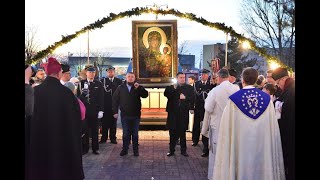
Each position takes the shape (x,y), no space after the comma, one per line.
(144,10)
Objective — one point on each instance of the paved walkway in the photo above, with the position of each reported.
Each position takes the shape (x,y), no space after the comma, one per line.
(152,164)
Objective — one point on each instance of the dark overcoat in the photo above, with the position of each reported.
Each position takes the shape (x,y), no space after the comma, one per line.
(55,139)
(287,127)
(178,109)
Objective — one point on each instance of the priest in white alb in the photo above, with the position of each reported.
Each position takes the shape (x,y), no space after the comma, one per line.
(249,143)
(214,106)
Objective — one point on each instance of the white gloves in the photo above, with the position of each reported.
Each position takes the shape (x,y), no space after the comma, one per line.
(191,111)
(100,114)
(85,86)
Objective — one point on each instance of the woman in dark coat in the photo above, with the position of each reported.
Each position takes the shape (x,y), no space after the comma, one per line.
(55,141)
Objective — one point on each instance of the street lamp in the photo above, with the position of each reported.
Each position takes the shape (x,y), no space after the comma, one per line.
(226,56)
(88,48)
(274,65)
(246,45)
(156,7)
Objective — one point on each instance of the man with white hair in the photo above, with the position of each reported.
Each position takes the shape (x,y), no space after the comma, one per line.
(214,106)
(75,81)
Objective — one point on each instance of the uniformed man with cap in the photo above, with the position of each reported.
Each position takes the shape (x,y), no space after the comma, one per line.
(202,88)
(66,75)
(90,91)
(109,123)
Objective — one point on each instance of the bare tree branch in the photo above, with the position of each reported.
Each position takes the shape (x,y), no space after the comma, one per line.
(102,60)
(31,44)
(271,23)
(183,48)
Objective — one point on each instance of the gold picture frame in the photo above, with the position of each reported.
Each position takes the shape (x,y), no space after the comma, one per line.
(155,54)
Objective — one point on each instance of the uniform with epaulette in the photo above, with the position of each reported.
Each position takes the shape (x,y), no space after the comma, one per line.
(109,123)
(91,94)
(202,89)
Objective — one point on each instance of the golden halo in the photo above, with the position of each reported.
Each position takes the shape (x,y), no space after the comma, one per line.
(165,45)
(146,34)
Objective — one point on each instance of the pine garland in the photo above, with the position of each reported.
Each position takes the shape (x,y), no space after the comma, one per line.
(144,10)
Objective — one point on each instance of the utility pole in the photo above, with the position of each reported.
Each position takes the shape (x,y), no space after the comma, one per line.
(226,58)
(88,49)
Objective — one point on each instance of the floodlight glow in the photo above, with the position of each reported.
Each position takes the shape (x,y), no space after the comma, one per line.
(274,65)
(246,45)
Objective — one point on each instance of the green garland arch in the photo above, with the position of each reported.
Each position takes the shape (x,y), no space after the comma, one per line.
(143,10)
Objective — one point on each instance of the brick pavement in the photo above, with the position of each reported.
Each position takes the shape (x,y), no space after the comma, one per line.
(152,164)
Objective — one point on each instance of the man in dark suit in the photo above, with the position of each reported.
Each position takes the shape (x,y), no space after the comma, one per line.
(202,88)
(127,98)
(180,101)
(90,92)
(55,141)
(109,123)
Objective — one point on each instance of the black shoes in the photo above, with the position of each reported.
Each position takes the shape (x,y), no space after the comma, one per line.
(194,144)
(123,152)
(185,154)
(136,153)
(204,154)
(113,142)
(96,152)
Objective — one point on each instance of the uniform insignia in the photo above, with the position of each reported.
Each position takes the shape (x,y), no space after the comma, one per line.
(252,102)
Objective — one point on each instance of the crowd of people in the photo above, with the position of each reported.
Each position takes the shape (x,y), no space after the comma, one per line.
(246,125)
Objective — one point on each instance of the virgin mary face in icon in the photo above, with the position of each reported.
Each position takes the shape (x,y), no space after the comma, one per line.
(154,40)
